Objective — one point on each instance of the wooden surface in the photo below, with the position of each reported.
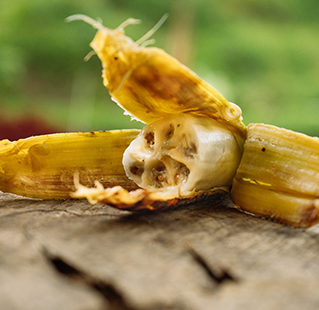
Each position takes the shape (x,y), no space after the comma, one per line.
(71,255)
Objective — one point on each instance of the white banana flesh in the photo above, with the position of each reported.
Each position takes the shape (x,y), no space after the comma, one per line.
(183,153)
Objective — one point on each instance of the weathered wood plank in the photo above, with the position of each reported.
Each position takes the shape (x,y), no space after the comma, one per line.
(76,256)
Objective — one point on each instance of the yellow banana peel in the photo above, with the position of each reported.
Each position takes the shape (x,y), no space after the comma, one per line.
(278,177)
(44,166)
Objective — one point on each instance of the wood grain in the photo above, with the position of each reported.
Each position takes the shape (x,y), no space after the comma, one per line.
(67,254)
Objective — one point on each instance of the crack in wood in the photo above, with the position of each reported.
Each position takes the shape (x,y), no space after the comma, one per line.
(113,297)
(218,276)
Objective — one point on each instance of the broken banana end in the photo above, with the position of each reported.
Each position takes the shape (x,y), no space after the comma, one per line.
(278,177)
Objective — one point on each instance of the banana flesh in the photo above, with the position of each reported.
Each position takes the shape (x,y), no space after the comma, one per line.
(185,152)
(44,166)
(278,177)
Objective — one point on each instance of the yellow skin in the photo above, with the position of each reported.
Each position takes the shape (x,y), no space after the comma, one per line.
(150,84)
(44,166)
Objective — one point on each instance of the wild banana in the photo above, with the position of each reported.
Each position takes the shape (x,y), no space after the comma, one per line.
(192,145)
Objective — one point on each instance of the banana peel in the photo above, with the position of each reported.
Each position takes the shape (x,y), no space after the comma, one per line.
(44,166)
(278,177)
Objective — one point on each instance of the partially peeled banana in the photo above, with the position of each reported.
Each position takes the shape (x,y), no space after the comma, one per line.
(194,144)
(193,140)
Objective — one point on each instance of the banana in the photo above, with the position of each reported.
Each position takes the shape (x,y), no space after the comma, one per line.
(193,139)
(194,144)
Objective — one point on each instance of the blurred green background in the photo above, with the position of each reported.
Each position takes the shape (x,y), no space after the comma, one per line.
(262,55)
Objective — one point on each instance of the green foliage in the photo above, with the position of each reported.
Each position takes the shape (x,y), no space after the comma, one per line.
(263,55)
